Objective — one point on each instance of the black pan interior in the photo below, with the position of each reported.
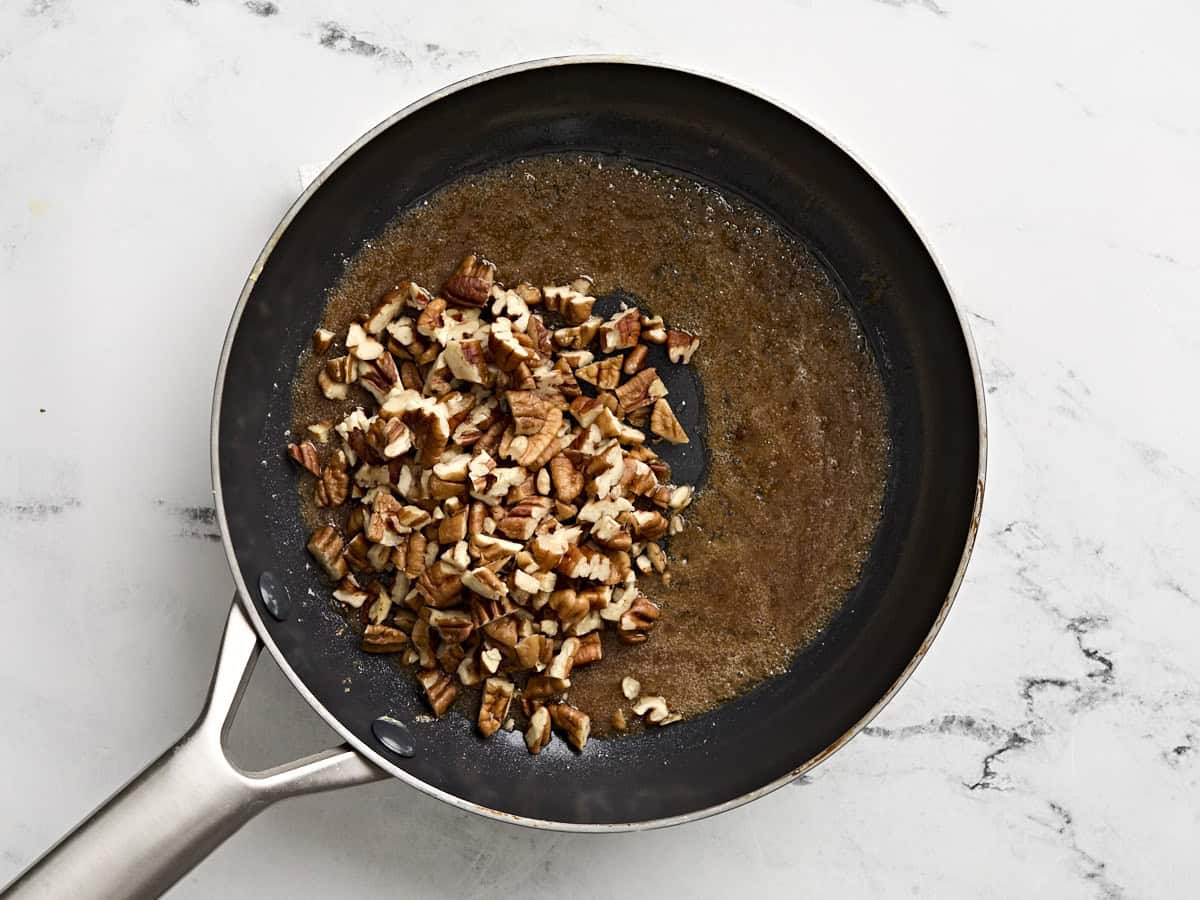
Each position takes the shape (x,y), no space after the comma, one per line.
(741,144)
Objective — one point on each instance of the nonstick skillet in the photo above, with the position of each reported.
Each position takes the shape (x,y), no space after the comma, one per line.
(192,798)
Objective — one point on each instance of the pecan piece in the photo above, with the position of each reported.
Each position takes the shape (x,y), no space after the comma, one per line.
(325,545)
(529,411)
(440,689)
(643,389)
(305,453)
(681,346)
(431,318)
(452,625)
(568,481)
(590,650)
(537,735)
(534,651)
(665,425)
(465,360)
(560,667)
(350,593)
(440,584)
(580,336)
(621,331)
(569,606)
(653,330)
(521,521)
(471,283)
(383,639)
(322,340)
(493,709)
(635,625)
(605,374)
(635,359)
(573,305)
(647,524)
(574,723)
(334,486)
(485,583)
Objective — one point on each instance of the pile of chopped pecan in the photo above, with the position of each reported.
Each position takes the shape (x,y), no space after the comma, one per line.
(502,495)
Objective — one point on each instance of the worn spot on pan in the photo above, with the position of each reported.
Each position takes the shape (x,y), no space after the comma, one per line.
(261,7)
(36,510)
(194,521)
(335,37)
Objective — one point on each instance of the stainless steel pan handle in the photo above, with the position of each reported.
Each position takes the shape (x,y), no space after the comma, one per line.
(154,830)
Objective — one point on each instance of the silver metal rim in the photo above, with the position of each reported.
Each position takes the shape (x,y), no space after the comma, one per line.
(368,751)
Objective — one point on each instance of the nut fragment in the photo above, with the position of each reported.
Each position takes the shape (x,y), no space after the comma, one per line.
(322,340)
(643,389)
(537,735)
(621,331)
(681,346)
(653,708)
(325,545)
(334,486)
(590,650)
(605,374)
(665,425)
(497,696)
(618,720)
(636,624)
(440,689)
(576,724)
(383,639)
(471,283)
(635,359)
(305,453)
(630,687)
(440,584)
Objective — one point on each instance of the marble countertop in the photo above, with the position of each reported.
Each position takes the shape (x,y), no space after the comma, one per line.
(1050,743)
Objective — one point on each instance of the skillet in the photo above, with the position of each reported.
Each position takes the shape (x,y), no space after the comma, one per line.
(190,799)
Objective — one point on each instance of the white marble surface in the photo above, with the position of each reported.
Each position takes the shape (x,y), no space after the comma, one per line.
(1050,743)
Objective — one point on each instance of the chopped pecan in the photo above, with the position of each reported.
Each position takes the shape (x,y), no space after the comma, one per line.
(414,555)
(529,411)
(422,642)
(355,553)
(440,584)
(471,283)
(573,305)
(453,528)
(590,650)
(502,631)
(574,723)
(560,667)
(653,708)
(361,345)
(621,331)
(385,311)
(638,621)
(665,425)
(485,583)
(630,687)
(331,388)
(648,524)
(521,521)
(450,656)
(681,346)
(643,389)
(539,687)
(350,593)
(383,639)
(537,735)
(320,430)
(605,374)
(635,359)
(431,318)
(431,433)
(452,625)
(305,453)
(580,336)
(380,376)
(493,709)
(322,340)
(568,605)
(465,360)
(568,481)
(325,545)
(440,689)
(653,330)
(534,651)
(334,486)
(618,720)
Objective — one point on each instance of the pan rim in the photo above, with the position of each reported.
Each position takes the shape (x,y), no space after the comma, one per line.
(243,591)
